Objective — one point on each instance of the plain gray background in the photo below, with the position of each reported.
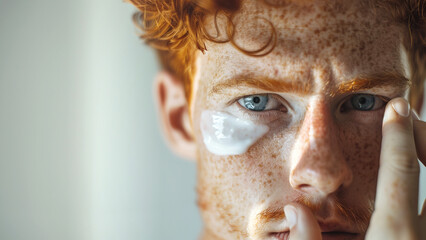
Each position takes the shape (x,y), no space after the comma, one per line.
(81,156)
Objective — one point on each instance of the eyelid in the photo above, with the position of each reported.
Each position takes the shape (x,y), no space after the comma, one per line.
(275,96)
(346,99)
(266,116)
(259,116)
(384,98)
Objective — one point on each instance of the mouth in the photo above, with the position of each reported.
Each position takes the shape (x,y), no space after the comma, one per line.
(329,231)
(325,236)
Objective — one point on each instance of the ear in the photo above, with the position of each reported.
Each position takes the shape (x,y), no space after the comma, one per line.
(174,115)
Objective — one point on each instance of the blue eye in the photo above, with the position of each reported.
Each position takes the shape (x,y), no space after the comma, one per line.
(254,102)
(363,102)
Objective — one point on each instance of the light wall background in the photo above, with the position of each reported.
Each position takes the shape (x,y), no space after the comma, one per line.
(81,156)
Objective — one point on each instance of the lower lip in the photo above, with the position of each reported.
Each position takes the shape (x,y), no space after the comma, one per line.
(325,236)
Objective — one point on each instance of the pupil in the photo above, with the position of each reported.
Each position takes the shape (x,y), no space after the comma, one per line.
(364,102)
(256,100)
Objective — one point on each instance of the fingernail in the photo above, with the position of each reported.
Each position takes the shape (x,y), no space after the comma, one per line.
(290,213)
(402,107)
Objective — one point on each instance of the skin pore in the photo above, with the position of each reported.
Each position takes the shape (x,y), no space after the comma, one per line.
(319,151)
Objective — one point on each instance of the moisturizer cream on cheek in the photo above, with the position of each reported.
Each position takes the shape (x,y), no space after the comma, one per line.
(224,134)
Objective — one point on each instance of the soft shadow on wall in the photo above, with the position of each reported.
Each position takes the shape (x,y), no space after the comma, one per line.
(81,156)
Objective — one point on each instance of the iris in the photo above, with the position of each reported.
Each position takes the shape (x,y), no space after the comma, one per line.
(363,102)
(254,102)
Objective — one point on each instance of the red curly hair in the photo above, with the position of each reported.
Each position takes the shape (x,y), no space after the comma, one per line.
(176,29)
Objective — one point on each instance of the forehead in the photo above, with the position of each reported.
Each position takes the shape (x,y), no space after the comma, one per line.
(334,41)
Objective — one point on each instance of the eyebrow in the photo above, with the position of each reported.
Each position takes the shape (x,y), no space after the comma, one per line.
(387,79)
(363,82)
(267,84)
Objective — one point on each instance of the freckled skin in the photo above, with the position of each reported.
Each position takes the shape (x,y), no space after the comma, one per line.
(320,153)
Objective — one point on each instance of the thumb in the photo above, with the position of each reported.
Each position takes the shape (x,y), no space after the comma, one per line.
(302,223)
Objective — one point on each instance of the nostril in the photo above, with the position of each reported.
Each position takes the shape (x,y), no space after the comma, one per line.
(305,187)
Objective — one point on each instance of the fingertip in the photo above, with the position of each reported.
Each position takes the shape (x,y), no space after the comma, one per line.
(306,226)
(291,215)
(398,116)
(401,107)
(397,108)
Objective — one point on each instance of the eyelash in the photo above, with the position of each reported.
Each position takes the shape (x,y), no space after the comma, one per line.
(346,101)
(266,113)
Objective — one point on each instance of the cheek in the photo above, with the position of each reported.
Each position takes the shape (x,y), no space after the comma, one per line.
(225,192)
(239,180)
(361,147)
(229,186)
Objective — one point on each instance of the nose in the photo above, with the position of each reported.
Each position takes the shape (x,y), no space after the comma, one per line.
(318,162)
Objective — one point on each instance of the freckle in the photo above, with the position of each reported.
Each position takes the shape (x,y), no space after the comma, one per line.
(269,173)
(395,184)
(260,165)
(362,46)
(297,14)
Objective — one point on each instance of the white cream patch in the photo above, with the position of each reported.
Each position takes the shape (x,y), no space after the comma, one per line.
(224,134)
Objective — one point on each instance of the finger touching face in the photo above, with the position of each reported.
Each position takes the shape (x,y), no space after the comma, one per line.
(395,214)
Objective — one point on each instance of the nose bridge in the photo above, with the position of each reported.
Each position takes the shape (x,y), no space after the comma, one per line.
(318,129)
(318,122)
(318,162)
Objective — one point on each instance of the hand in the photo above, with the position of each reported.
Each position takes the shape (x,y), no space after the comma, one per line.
(396,207)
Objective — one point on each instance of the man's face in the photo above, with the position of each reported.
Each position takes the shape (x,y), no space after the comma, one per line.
(321,93)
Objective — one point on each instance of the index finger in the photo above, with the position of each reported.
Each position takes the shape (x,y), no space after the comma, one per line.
(398,179)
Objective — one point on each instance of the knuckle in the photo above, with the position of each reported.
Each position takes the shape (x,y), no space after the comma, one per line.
(396,127)
(401,158)
(388,227)
(404,163)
